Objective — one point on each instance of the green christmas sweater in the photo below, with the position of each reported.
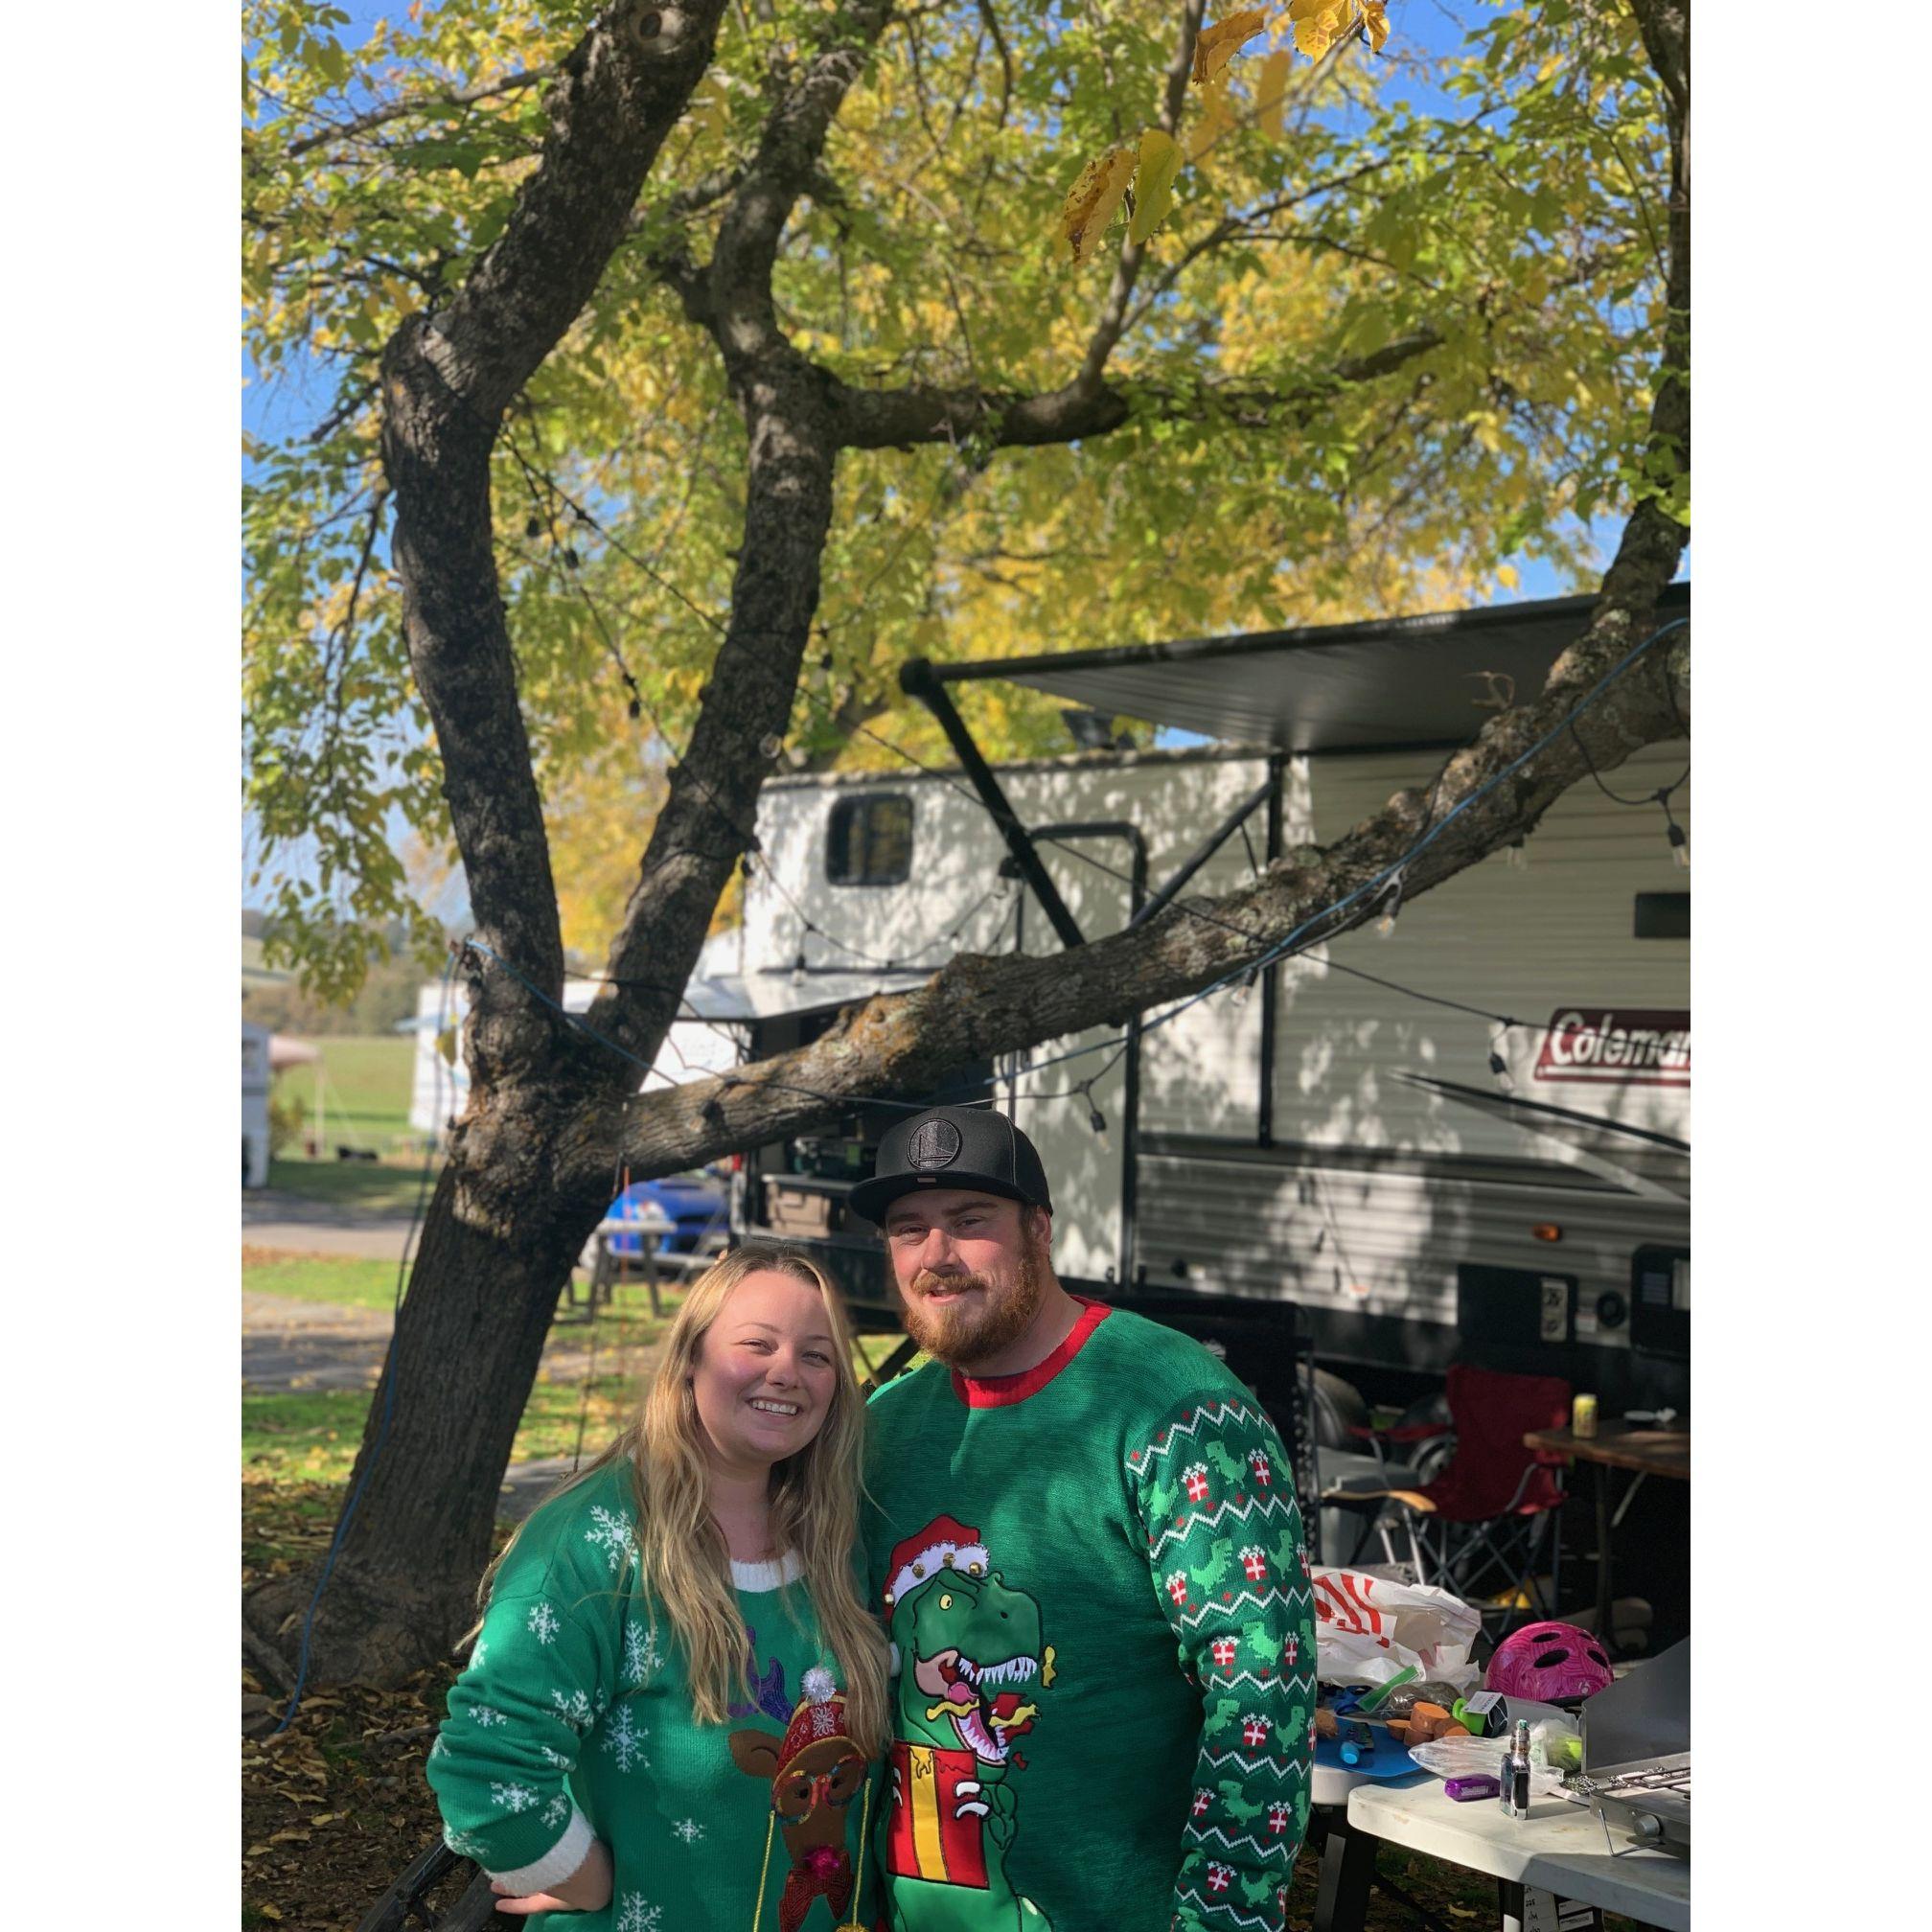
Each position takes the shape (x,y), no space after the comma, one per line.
(1103,1643)
(574,1721)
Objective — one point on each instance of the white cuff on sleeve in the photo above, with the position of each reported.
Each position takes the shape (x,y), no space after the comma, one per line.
(556,1864)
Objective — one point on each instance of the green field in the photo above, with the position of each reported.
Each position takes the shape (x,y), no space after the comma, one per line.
(364,1090)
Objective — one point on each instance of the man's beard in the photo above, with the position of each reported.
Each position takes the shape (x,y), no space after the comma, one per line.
(960,1334)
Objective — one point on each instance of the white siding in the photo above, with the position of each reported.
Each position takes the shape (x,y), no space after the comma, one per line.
(1522,941)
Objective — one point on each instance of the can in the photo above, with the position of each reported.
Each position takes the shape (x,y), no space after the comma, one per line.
(1583,1417)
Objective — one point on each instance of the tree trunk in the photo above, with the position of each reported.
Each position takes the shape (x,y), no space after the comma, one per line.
(469,1337)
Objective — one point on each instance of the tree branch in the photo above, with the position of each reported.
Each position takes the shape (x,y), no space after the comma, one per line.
(789,149)
(876,419)
(448,376)
(1113,320)
(428,104)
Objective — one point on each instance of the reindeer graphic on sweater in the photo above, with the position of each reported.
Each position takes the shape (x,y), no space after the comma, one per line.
(814,1771)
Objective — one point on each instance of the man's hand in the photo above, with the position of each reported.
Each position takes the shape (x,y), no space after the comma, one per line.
(588,1889)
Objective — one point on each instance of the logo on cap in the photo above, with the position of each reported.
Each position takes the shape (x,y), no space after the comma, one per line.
(934,1143)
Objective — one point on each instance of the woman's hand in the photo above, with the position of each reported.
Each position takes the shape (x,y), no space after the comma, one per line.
(588,1889)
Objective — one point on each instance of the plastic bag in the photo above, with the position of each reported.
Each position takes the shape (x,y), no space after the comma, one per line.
(1480,1757)
(1369,1629)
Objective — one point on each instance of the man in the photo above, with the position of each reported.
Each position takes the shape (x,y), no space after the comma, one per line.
(1088,1552)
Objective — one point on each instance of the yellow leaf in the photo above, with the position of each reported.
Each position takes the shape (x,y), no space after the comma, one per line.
(1217,45)
(1152,183)
(1093,199)
(1375,24)
(1312,9)
(1507,576)
(1314,37)
(1273,89)
(1216,118)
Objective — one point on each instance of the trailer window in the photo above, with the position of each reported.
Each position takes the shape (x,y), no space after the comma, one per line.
(1663,915)
(869,841)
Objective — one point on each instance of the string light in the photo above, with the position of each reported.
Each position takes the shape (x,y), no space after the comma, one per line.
(1498,1065)
(1680,840)
(1386,924)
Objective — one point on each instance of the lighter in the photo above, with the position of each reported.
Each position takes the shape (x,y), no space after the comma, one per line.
(1514,1796)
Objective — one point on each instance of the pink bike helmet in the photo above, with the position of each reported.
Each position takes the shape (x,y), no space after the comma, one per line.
(1548,1661)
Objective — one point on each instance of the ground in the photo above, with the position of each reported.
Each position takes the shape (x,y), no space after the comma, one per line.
(335,1805)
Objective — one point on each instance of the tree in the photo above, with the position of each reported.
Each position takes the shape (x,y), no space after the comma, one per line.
(713,368)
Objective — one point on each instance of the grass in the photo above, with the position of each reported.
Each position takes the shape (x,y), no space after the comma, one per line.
(348,1282)
(379,1187)
(366,1086)
(309,1437)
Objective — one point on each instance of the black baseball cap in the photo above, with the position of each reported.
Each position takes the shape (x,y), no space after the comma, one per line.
(970,1147)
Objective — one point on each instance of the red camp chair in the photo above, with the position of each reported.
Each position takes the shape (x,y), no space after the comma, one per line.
(1481,1526)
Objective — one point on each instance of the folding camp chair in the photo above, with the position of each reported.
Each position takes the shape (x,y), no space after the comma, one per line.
(1480,1527)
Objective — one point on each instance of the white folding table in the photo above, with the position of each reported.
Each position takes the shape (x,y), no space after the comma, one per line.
(1559,1848)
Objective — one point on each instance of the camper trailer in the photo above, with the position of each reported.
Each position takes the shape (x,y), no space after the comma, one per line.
(695,1048)
(255,1082)
(1335,1135)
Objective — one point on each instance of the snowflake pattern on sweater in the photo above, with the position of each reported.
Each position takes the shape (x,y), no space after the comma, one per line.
(1225,1551)
(642,1659)
(623,1739)
(609,1531)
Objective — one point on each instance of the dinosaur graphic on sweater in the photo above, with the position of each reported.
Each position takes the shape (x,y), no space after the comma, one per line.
(967,1651)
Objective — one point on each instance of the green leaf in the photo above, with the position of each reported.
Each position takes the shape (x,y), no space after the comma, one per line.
(1152,183)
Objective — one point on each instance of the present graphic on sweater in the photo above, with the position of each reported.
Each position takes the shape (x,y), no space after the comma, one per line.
(814,1772)
(966,1645)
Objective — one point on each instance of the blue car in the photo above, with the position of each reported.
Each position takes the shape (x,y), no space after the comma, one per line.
(696,1203)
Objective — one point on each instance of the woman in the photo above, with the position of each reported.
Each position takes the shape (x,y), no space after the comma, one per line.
(675,1693)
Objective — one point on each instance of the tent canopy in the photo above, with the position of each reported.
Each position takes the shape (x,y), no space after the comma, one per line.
(1390,683)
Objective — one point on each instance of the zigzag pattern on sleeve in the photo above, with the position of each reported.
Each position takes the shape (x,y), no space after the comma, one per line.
(1225,1554)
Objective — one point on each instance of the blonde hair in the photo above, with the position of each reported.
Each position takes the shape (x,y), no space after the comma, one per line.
(680,1553)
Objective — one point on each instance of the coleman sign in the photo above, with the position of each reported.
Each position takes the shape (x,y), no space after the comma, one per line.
(1624,1045)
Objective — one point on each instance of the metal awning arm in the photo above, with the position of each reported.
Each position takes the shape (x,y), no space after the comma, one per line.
(1207,849)
(917,680)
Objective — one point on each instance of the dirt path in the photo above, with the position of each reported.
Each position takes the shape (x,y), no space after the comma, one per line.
(334,1228)
(288,1345)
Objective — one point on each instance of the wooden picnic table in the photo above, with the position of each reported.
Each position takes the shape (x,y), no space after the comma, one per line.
(1617,1445)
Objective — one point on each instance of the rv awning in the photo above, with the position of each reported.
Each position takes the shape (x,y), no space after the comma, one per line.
(1396,683)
